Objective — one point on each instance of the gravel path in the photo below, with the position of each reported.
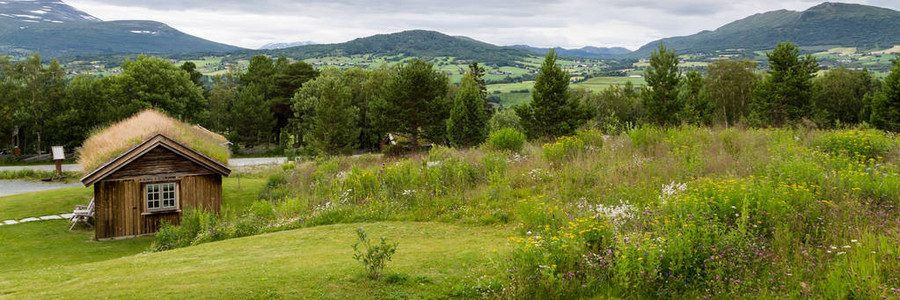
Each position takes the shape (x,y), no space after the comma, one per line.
(13,187)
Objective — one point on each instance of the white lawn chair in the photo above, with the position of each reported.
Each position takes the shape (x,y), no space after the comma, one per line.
(83,214)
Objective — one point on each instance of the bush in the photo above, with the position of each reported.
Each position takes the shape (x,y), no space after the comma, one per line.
(565,148)
(373,257)
(506,118)
(506,139)
(863,143)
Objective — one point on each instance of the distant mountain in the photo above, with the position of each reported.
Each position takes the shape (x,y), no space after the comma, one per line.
(587,52)
(413,43)
(271,46)
(55,30)
(826,24)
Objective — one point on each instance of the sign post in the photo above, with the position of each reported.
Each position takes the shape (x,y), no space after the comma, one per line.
(58,155)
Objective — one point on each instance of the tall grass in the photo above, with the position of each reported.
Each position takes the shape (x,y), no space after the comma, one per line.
(653,213)
(107,143)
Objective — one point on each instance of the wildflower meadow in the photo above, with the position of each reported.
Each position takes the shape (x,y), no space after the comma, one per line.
(684,212)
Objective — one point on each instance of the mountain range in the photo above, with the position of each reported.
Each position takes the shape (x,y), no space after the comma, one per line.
(58,30)
(55,29)
(271,46)
(587,52)
(826,24)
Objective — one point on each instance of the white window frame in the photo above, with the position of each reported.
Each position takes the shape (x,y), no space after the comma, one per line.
(161,193)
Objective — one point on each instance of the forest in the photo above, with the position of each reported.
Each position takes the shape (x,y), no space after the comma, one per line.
(292,105)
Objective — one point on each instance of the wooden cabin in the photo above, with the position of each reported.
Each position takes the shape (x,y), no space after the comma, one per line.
(150,183)
(149,168)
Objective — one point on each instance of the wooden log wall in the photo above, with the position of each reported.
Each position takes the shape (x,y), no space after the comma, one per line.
(119,204)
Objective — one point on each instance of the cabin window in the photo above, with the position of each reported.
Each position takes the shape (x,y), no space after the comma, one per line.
(161,196)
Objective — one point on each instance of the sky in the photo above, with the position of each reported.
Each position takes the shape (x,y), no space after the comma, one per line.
(540,23)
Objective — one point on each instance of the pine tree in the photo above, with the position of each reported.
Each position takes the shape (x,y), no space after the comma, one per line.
(334,127)
(416,102)
(251,117)
(468,121)
(784,96)
(661,95)
(553,111)
(886,105)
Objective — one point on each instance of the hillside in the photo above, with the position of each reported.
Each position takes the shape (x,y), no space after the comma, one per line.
(55,29)
(586,52)
(304,263)
(413,43)
(827,24)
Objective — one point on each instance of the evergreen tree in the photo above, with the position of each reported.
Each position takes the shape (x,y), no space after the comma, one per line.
(330,116)
(784,96)
(553,111)
(661,95)
(222,96)
(696,107)
(467,123)
(251,118)
(886,104)
(416,101)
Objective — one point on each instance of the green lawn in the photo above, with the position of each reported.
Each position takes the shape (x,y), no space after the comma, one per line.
(43,244)
(60,201)
(49,244)
(434,259)
(43,203)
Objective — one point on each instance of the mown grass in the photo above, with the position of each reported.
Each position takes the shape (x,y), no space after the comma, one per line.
(49,244)
(62,201)
(43,203)
(44,244)
(433,260)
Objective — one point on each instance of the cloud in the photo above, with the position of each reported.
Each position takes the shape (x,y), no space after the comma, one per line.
(566,23)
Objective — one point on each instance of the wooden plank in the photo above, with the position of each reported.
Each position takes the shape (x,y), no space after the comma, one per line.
(159,161)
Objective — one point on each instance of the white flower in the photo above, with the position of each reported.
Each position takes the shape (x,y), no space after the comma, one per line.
(528,233)
(853,241)
(842,252)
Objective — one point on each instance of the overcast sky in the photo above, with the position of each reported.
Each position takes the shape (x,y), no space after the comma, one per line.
(544,23)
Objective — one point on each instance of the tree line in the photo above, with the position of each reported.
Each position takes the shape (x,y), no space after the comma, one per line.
(276,101)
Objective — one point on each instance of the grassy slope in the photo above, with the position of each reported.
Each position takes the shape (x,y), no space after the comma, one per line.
(49,243)
(64,200)
(313,262)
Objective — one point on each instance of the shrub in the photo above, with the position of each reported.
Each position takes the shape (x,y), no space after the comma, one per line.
(863,143)
(506,139)
(565,148)
(373,257)
(197,226)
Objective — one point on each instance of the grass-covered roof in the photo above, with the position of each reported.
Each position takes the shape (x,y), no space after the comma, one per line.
(108,143)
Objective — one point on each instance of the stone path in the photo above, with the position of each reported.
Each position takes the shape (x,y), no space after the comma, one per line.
(35,219)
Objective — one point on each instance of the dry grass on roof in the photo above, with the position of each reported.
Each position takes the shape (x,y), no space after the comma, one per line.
(107,143)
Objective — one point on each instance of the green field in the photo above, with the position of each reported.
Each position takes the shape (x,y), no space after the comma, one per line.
(432,260)
(49,243)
